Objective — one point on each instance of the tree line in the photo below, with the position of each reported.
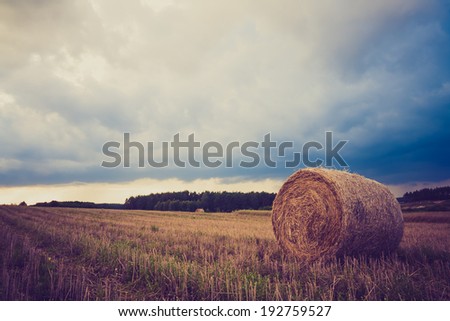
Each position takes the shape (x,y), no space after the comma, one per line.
(428,194)
(77,204)
(221,201)
(208,201)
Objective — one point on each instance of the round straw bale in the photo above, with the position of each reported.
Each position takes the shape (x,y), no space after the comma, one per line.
(323,213)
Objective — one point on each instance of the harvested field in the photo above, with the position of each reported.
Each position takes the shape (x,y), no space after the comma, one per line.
(92,254)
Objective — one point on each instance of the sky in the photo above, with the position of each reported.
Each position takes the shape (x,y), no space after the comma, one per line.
(77,74)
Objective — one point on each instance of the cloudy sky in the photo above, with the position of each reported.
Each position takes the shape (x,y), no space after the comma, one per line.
(77,74)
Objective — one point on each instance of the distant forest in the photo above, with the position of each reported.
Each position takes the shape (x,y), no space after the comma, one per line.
(78,204)
(208,201)
(428,194)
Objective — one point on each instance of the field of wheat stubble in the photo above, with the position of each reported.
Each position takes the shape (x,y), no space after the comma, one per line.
(94,254)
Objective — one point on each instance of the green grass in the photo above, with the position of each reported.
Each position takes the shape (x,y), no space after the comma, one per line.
(91,254)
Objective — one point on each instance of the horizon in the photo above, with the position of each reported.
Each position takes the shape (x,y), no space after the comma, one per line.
(196,191)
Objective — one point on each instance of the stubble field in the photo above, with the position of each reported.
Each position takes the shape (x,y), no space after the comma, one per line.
(88,254)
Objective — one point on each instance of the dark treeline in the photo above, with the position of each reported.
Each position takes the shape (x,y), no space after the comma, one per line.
(78,204)
(209,201)
(428,194)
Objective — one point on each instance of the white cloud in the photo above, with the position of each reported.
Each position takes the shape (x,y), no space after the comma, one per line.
(27,129)
(78,71)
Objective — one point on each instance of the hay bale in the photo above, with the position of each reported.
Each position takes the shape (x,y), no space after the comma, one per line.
(199,210)
(324,213)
